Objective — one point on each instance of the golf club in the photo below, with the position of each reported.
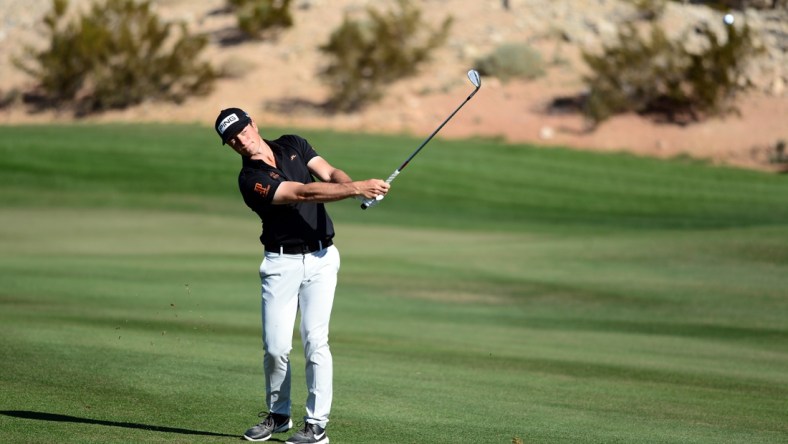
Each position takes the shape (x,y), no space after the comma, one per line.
(473,75)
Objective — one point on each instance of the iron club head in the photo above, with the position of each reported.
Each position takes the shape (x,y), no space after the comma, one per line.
(473,75)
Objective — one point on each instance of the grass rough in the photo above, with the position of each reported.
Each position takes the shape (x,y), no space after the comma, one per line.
(566,297)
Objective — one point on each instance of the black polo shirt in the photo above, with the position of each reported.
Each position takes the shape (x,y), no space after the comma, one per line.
(287,224)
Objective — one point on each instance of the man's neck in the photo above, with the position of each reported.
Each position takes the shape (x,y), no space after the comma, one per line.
(266,154)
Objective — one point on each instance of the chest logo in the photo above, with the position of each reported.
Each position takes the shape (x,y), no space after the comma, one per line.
(273,175)
(261,190)
(292,157)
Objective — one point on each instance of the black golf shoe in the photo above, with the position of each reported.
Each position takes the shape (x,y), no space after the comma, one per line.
(310,434)
(273,423)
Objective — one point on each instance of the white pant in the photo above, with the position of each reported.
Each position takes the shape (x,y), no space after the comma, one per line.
(290,282)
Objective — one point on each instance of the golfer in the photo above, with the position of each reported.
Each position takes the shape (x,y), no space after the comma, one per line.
(299,267)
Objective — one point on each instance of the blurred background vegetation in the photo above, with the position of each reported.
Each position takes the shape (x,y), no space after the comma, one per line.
(119,54)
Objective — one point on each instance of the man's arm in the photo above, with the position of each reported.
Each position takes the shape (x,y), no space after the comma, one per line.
(326,172)
(335,185)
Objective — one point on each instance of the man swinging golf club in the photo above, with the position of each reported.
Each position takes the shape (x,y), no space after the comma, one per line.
(299,267)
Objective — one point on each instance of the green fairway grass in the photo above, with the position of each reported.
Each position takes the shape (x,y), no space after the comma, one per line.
(501,293)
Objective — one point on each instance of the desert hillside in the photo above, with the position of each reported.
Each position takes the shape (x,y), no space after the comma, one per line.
(278,81)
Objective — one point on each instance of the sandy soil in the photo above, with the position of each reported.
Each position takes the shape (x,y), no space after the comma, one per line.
(278,83)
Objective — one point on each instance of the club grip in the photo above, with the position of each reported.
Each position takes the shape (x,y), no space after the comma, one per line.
(366,203)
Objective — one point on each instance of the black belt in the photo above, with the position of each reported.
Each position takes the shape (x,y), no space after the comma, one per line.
(304,248)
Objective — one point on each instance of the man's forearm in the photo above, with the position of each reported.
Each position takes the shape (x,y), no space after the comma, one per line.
(339,176)
(326,191)
(338,187)
(295,192)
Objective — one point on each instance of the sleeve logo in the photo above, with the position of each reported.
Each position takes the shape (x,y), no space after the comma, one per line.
(261,190)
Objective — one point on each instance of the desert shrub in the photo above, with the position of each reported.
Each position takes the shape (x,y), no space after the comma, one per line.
(779,156)
(659,76)
(260,18)
(512,60)
(366,55)
(650,9)
(9,97)
(743,4)
(119,54)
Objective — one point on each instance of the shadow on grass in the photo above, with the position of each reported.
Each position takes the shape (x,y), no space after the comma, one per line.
(41,416)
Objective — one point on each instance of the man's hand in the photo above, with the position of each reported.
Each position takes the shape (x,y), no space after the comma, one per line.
(372,188)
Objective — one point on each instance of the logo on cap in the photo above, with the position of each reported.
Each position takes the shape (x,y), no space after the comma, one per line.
(226,122)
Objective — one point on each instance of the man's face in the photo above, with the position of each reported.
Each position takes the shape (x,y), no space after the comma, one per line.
(246,142)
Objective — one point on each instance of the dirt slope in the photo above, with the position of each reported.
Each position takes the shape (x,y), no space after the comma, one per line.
(279,85)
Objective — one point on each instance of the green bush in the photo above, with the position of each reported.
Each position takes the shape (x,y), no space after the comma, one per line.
(367,55)
(512,60)
(119,54)
(660,76)
(260,18)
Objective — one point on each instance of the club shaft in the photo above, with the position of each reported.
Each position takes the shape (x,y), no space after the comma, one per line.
(423,144)
(369,202)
